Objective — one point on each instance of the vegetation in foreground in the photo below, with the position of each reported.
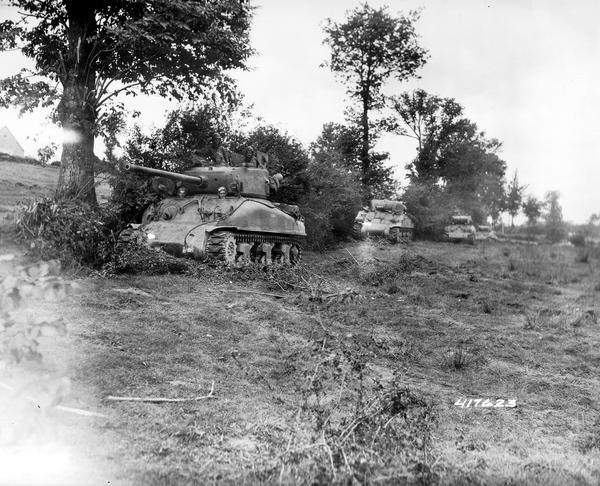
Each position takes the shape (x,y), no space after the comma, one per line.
(346,370)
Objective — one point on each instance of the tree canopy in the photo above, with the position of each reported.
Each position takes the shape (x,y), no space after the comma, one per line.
(87,52)
(514,197)
(532,209)
(370,47)
(456,163)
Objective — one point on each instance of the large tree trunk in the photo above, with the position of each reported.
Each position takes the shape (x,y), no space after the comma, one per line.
(77,108)
(364,150)
(76,179)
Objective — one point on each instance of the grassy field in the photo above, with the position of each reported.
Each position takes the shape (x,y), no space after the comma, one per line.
(21,182)
(345,370)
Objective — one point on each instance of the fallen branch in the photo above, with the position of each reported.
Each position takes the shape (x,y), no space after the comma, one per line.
(352,256)
(277,296)
(161,399)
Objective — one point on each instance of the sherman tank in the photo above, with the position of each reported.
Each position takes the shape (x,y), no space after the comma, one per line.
(384,218)
(221,213)
(461,229)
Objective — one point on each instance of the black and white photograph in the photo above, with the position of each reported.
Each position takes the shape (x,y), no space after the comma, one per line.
(276,242)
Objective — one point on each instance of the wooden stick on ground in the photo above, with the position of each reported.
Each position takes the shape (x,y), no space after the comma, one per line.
(277,296)
(163,400)
(352,256)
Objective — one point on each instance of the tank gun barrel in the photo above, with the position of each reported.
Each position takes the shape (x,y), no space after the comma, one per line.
(164,173)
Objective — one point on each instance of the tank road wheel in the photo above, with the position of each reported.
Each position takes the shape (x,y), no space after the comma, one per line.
(395,236)
(125,235)
(357,231)
(244,251)
(264,253)
(281,253)
(129,235)
(222,246)
(295,254)
(406,236)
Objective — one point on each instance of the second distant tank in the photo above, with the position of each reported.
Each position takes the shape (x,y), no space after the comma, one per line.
(460,229)
(384,217)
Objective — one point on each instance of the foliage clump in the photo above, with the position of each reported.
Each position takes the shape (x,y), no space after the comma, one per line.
(72,232)
(457,168)
(329,205)
(21,329)
(139,259)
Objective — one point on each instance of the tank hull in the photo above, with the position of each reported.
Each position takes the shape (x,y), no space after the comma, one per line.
(384,218)
(225,228)
(460,230)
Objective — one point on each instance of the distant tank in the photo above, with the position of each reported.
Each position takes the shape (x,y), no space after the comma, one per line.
(384,218)
(461,228)
(220,213)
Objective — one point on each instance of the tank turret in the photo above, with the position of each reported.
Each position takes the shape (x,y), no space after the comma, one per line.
(239,181)
(221,212)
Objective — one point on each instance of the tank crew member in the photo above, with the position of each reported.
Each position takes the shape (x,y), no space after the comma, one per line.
(222,192)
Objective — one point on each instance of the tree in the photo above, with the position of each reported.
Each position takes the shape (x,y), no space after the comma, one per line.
(435,123)
(555,226)
(339,145)
(532,209)
(87,52)
(367,49)
(514,197)
(455,161)
(329,203)
(287,156)
(189,138)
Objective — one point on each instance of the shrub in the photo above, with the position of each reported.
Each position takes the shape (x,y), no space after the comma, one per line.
(583,256)
(330,204)
(70,231)
(460,358)
(130,197)
(21,328)
(578,239)
(135,258)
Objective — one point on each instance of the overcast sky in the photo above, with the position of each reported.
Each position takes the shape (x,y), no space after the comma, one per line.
(526,72)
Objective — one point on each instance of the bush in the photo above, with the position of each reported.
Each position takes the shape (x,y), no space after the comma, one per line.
(330,204)
(130,197)
(461,358)
(70,231)
(578,239)
(430,208)
(135,258)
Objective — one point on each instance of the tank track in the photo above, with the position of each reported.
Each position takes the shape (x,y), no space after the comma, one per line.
(356,231)
(401,235)
(234,247)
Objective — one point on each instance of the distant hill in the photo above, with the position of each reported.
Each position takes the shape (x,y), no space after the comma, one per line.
(21,180)
(18,159)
